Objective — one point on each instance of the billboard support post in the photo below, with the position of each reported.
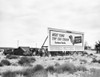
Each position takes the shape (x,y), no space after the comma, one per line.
(44,42)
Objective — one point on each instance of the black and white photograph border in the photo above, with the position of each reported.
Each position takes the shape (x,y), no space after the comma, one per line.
(49,38)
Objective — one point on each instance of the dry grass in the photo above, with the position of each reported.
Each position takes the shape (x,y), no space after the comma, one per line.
(9,74)
(40,71)
(67,67)
(31,70)
(26,60)
(37,71)
(57,64)
(50,69)
(83,61)
(12,57)
(81,68)
(93,73)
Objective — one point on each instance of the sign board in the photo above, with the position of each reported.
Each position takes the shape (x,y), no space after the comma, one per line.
(63,40)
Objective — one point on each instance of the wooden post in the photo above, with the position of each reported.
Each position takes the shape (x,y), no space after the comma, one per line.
(44,42)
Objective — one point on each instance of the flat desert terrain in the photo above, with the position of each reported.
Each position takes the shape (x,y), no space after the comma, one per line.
(76,65)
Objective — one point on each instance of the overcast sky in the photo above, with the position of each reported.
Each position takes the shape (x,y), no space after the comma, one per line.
(28,20)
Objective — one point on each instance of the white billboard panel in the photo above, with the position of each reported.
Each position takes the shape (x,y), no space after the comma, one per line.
(62,40)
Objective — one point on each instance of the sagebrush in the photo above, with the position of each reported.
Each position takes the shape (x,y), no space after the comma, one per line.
(5,62)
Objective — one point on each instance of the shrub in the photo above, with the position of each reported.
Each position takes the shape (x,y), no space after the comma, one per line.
(81,68)
(11,56)
(8,51)
(97,47)
(5,62)
(83,61)
(37,71)
(52,58)
(66,67)
(93,73)
(38,67)
(9,74)
(25,60)
(50,69)
(57,64)
(14,64)
(30,71)
(92,70)
(32,59)
(59,58)
(28,53)
(41,73)
(94,60)
(98,61)
(1,64)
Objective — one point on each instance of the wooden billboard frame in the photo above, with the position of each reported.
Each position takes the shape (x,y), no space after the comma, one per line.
(65,31)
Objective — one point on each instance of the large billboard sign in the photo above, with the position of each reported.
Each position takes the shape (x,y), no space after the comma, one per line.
(63,40)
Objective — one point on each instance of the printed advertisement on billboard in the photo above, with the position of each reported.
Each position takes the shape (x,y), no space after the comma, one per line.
(63,40)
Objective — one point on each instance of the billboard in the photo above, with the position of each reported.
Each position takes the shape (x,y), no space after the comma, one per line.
(64,40)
